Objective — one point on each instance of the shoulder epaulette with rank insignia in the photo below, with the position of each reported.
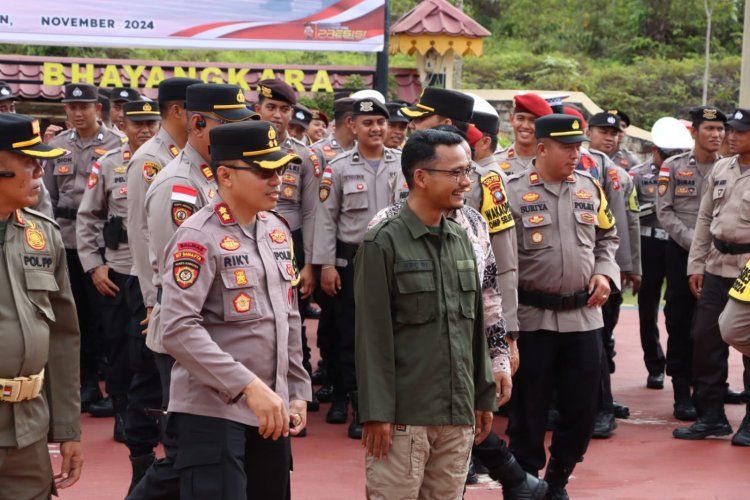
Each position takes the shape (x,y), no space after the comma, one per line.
(281,217)
(40,215)
(173,150)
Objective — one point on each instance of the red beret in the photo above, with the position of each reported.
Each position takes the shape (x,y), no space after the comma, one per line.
(531,103)
(473,135)
(576,113)
(319,115)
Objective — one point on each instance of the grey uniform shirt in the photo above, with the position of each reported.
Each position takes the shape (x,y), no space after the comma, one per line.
(351,193)
(681,184)
(509,161)
(625,159)
(493,200)
(327,149)
(145,164)
(724,214)
(66,177)
(184,186)
(632,209)
(106,196)
(565,236)
(645,179)
(299,192)
(610,180)
(230,314)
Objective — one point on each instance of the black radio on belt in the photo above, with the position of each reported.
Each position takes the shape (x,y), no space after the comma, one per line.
(114,232)
(731,248)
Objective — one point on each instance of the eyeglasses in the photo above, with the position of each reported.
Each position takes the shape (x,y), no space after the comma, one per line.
(207,117)
(456,173)
(263,173)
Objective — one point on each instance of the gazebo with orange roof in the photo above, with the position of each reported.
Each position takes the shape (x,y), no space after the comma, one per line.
(435,31)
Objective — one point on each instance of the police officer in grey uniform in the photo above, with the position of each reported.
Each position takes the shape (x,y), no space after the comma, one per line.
(342,138)
(680,186)
(118,96)
(122,304)
(184,186)
(527,108)
(623,157)
(669,137)
(353,188)
(718,253)
(231,320)
(566,244)
(66,178)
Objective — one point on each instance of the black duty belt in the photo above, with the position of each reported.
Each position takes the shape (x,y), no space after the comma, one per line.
(731,248)
(553,301)
(65,213)
(346,250)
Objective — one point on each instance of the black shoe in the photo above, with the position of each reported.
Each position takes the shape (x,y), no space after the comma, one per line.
(742,437)
(604,426)
(319,376)
(471,475)
(557,475)
(517,483)
(89,395)
(733,397)
(338,412)
(102,408)
(314,405)
(312,312)
(703,428)
(355,430)
(655,381)
(621,411)
(685,411)
(119,433)
(325,394)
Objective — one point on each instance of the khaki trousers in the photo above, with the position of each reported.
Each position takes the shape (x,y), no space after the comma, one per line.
(424,463)
(26,473)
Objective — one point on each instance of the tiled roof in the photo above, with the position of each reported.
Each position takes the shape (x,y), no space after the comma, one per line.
(433,17)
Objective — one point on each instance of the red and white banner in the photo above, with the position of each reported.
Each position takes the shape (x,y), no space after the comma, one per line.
(335,25)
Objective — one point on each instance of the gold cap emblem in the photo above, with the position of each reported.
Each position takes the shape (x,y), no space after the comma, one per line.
(266,92)
(35,127)
(272,142)
(147,107)
(575,125)
(709,114)
(365,106)
(240,96)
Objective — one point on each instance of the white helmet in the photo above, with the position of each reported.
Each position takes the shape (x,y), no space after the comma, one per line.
(372,94)
(481,105)
(669,133)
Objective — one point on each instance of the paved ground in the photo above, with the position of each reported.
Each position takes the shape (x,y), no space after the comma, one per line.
(642,461)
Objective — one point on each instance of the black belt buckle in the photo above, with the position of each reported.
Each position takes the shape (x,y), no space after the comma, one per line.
(568,302)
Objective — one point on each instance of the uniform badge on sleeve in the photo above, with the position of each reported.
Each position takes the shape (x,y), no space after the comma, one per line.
(185,273)
(94,176)
(150,169)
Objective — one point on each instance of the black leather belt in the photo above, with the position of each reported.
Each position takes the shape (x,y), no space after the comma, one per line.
(65,213)
(731,248)
(553,301)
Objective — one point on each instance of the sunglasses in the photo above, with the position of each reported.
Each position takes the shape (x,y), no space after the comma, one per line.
(263,173)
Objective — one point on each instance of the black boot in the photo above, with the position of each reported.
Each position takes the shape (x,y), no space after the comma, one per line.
(140,465)
(684,409)
(89,395)
(325,394)
(742,438)
(355,427)
(604,425)
(733,397)
(557,475)
(102,408)
(517,483)
(712,422)
(337,413)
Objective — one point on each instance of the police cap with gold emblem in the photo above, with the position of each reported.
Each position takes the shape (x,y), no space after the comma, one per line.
(6,93)
(254,142)
(370,107)
(226,101)
(448,103)
(175,89)
(301,115)
(706,114)
(20,134)
(561,128)
(80,92)
(277,90)
(124,94)
(740,120)
(605,119)
(141,111)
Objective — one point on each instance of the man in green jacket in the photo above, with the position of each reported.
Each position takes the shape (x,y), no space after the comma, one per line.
(424,373)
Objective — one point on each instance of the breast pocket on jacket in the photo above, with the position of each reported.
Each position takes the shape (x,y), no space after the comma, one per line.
(537,231)
(39,284)
(585,228)
(239,294)
(415,284)
(467,278)
(355,196)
